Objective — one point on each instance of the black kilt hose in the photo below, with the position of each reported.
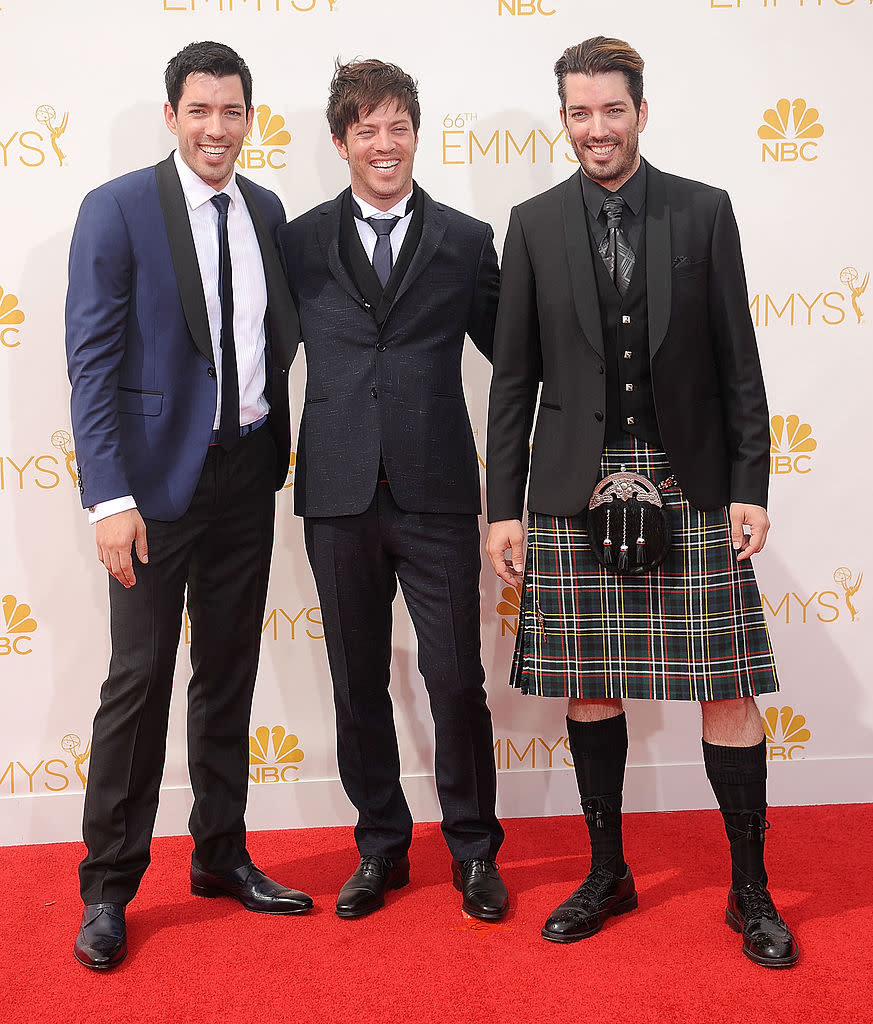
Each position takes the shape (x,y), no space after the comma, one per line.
(692,629)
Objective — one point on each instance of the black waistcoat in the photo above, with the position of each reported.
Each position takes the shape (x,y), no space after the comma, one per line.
(630,405)
(354,257)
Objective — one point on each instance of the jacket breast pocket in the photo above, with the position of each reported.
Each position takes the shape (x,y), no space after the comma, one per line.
(690,266)
(140,403)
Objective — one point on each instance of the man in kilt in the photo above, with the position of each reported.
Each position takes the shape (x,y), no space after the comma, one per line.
(623,292)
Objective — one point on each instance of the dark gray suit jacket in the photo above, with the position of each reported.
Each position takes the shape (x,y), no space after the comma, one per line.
(387,382)
(706,375)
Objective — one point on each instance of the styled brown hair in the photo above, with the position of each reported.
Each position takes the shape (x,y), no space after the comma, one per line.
(597,56)
(359,87)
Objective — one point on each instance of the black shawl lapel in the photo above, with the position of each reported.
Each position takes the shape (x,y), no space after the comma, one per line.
(328,230)
(433,231)
(183,253)
(658,257)
(284,332)
(580,261)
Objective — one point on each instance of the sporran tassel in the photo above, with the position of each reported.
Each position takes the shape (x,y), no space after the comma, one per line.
(622,551)
(607,543)
(641,541)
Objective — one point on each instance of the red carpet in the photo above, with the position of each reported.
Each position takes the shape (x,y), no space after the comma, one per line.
(419,960)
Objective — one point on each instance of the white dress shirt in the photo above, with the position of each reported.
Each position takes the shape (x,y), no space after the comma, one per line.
(249,300)
(398,232)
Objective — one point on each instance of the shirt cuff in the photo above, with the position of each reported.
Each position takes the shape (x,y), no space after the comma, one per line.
(108,508)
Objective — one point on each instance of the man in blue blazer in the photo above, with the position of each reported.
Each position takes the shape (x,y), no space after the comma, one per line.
(180,332)
(387,283)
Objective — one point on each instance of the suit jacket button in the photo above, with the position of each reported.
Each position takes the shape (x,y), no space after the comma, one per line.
(380,348)
(598,416)
(600,369)
(211,371)
(372,392)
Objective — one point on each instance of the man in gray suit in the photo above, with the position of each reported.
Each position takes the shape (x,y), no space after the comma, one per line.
(387,283)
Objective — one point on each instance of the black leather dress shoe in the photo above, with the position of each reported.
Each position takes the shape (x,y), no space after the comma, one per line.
(600,896)
(482,887)
(252,888)
(766,938)
(365,891)
(102,939)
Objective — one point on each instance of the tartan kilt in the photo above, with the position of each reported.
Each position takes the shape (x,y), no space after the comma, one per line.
(692,629)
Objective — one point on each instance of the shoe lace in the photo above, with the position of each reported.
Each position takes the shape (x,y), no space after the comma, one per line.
(375,865)
(594,889)
(478,866)
(757,903)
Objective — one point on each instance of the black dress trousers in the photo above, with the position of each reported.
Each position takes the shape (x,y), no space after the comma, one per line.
(220,550)
(357,561)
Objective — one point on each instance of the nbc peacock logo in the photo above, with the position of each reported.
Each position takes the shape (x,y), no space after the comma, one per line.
(789,131)
(19,626)
(11,317)
(509,608)
(265,144)
(786,733)
(791,445)
(274,755)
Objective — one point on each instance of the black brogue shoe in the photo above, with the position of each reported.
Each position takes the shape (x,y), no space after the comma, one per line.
(602,895)
(251,887)
(766,938)
(365,891)
(102,939)
(484,892)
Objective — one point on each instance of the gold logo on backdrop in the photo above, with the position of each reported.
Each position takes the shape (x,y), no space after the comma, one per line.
(509,608)
(850,276)
(10,317)
(519,8)
(263,146)
(786,733)
(292,462)
(45,115)
(851,586)
(788,132)
(63,441)
(18,617)
(815,307)
(249,6)
(274,755)
(791,442)
(71,744)
(19,626)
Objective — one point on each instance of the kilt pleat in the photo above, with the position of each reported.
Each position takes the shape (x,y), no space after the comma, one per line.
(692,629)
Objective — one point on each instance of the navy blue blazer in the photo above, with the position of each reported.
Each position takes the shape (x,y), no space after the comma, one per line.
(139,352)
(383,373)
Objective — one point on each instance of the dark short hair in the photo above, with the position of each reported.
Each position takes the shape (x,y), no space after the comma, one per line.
(359,87)
(600,55)
(210,59)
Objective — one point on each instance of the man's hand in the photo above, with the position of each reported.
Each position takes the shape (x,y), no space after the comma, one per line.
(756,518)
(507,534)
(116,535)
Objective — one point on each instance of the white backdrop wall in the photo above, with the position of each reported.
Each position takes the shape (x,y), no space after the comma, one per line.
(762,97)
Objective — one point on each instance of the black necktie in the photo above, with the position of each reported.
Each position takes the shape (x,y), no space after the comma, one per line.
(614,248)
(383,259)
(228,424)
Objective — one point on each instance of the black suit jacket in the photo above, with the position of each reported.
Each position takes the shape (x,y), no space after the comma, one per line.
(706,375)
(383,379)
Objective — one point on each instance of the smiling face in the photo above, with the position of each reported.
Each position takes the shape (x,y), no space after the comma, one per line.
(603,126)
(211,123)
(380,150)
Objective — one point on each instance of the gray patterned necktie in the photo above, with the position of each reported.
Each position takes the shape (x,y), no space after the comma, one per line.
(614,248)
(383,259)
